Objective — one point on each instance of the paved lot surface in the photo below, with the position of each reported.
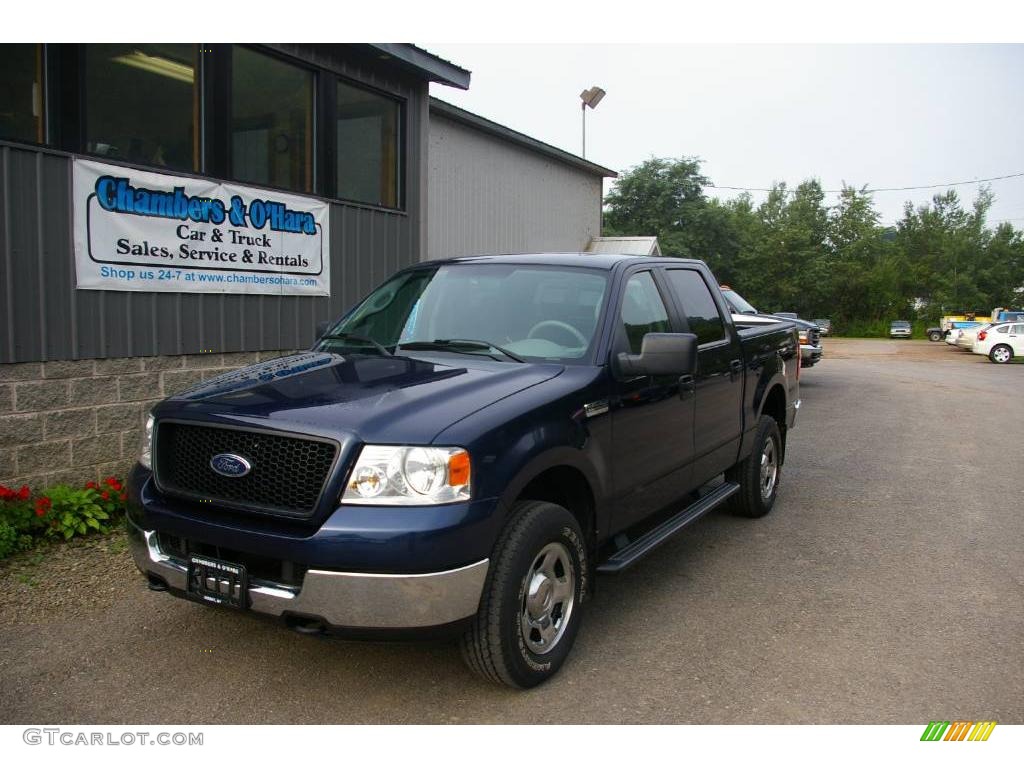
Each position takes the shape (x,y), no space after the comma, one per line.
(887,586)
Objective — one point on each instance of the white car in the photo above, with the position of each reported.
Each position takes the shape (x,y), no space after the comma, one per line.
(1002,342)
(968,336)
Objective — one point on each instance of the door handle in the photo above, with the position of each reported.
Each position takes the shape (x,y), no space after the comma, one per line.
(735,369)
(687,386)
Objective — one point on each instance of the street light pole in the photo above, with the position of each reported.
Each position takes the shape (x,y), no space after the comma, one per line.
(583,113)
(590,98)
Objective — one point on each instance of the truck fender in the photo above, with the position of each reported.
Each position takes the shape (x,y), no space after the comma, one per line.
(561,456)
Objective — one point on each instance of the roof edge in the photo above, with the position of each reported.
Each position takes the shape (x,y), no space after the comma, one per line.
(435,68)
(460,115)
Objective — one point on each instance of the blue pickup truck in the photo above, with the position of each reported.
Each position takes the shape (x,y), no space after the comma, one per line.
(465,450)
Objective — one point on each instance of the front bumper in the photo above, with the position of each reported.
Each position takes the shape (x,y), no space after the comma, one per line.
(335,598)
(809,355)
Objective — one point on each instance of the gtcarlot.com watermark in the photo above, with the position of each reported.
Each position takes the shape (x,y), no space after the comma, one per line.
(81,738)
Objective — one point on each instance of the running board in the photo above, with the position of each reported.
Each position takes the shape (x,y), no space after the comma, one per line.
(644,544)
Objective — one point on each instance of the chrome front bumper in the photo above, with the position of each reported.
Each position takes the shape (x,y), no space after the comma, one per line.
(356,600)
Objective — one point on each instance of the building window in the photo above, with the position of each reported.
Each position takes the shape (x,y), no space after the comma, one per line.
(271,121)
(141,104)
(368,153)
(21,92)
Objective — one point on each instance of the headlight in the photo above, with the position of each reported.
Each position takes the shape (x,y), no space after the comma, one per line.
(408,475)
(146,449)
(803,337)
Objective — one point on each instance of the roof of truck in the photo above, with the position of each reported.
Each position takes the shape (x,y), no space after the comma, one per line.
(592,260)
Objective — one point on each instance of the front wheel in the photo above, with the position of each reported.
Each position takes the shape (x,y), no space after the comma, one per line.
(1001,353)
(759,474)
(530,609)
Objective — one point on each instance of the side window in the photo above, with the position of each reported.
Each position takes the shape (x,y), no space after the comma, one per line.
(1003,329)
(697,304)
(643,311)
(1017,329)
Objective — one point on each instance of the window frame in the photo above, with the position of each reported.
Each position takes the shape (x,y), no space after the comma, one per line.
(47,102)
(684,319)
(331,121)
(618,341)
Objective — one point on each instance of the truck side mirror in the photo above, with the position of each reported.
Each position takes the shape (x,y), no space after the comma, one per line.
(661,354)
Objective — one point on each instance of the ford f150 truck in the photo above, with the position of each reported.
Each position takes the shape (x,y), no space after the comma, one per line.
(465,450)
(744,316)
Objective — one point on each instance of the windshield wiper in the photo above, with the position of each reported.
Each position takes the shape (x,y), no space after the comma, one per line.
(460,345)
(356,337)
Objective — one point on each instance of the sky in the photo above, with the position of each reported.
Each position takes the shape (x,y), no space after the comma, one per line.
(875,115)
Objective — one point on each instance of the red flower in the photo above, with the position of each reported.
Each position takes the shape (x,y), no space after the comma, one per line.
(105,496)
(43,505)
(111,481)
(92,485)
(23,493)
(124,497)
(5,493)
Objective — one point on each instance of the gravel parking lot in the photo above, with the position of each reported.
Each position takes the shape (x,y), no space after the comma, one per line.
(887,586)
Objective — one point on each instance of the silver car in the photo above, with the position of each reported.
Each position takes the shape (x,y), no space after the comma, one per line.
(899,329)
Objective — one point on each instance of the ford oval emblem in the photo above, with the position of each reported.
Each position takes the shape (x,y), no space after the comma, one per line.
(230,465)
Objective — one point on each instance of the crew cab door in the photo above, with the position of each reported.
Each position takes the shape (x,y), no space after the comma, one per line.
(652,424)
(718,381)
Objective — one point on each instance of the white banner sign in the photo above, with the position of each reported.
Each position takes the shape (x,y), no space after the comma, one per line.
(140,231)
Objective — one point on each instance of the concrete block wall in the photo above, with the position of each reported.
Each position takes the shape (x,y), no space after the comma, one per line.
(71,421)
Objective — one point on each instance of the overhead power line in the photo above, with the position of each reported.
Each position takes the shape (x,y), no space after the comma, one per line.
(881,189)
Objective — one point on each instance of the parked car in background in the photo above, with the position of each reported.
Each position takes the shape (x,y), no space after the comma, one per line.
(744,315)
(899,329)
(824,324)
(1000,343)
(967,336)
(956,327)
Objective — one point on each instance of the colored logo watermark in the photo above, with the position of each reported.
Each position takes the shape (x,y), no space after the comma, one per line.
(958,730)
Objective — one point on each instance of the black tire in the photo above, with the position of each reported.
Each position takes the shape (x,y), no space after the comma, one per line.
(992,354)
(935,336)
(496,646)
(749,500)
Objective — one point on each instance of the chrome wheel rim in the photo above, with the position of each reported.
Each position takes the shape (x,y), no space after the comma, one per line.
(549,595)
(1001,355)
(769,469)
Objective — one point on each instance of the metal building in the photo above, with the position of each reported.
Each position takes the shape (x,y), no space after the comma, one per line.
(135,180)
(495,190)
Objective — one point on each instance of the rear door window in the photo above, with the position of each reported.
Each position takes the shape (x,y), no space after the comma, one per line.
(697,304)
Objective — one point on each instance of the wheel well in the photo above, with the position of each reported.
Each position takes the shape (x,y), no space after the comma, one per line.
(775,406)
(567,487)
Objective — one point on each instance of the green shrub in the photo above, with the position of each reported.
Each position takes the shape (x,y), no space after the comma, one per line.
(58,512)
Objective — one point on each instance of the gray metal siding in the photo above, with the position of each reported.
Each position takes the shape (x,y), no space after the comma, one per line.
(45,318)
(487,195)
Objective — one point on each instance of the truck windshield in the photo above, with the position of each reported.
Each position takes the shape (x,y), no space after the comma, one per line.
(533,312)
(737,303)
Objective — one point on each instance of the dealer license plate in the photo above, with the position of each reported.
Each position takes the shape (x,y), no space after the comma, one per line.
(218,581)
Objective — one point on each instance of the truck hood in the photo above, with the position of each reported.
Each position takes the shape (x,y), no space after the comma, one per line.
(374,399)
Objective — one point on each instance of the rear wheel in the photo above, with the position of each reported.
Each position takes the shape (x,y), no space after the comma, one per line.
(530,609)
(935,336)
(759,474)
(1001,353)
